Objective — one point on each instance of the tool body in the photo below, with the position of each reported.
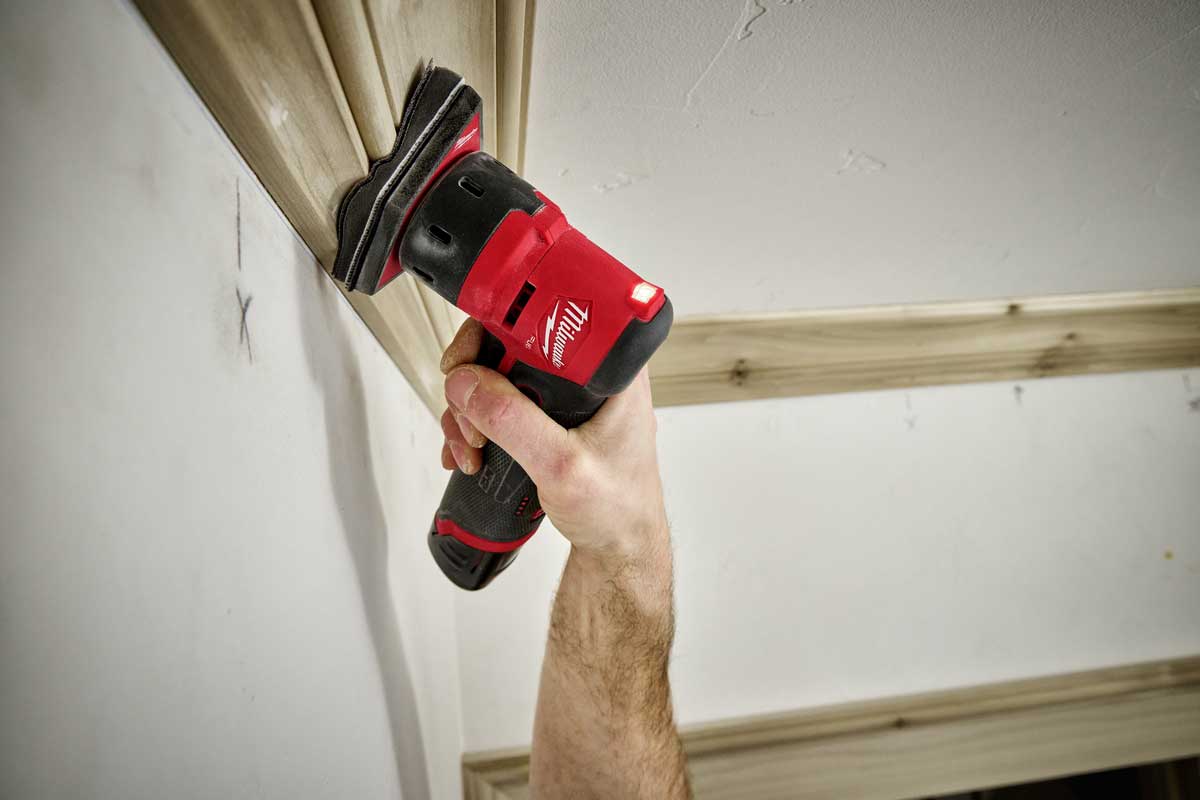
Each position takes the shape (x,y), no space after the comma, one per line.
(566,322)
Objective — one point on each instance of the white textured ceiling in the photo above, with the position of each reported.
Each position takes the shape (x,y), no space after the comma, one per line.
(762,154)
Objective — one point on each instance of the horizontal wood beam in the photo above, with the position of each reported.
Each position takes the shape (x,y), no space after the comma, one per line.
(935,743)
(743,357)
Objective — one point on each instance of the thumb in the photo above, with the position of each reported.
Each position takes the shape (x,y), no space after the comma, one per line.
(510,419)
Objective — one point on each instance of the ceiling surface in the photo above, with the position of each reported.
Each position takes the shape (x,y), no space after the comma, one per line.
(761,155)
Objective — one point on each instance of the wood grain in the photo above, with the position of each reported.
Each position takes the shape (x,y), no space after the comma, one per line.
(741,357)
(514,41)
(299,93)
(409,33)
(358,59)
(940,742)
(267,76)
(458,34)
(348,35)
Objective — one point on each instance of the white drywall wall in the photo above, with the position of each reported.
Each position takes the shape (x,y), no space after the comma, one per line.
(213,577)
(868,545)
(212,580)
(758,154)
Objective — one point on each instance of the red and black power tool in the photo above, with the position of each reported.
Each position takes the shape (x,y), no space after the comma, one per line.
(565,321)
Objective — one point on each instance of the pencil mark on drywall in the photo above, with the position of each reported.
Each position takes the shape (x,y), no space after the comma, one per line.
(1018,391)
(859,163)
(754,112)
(237,190)
(244,330)
(1193,403)
(910,419)
(756,10)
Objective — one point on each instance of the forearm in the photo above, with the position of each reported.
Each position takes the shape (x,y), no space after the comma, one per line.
(604,724)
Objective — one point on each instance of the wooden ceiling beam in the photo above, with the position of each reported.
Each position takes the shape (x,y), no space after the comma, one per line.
(937,743)
(309,92)
(729,357)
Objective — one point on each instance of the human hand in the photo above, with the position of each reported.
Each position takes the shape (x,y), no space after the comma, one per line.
(598,483)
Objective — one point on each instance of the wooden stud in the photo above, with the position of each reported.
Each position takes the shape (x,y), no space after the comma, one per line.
(936,743)
(740,357)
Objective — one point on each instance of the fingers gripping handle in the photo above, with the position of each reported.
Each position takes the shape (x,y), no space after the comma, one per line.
(484,518)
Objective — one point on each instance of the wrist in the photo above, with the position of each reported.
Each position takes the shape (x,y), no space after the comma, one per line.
(638,547)
(639,567)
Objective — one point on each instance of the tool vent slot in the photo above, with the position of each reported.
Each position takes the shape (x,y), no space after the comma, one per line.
(518,305)
(439,233)
(470,186)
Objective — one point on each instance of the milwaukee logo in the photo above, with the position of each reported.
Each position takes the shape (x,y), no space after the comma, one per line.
(564,329)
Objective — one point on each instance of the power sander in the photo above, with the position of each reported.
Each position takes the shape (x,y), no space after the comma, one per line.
(566,322)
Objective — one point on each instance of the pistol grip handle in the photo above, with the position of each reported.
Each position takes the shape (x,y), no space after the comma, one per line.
(483,519)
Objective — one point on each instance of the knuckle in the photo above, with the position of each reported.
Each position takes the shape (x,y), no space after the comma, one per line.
(496,412)
(570,468)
